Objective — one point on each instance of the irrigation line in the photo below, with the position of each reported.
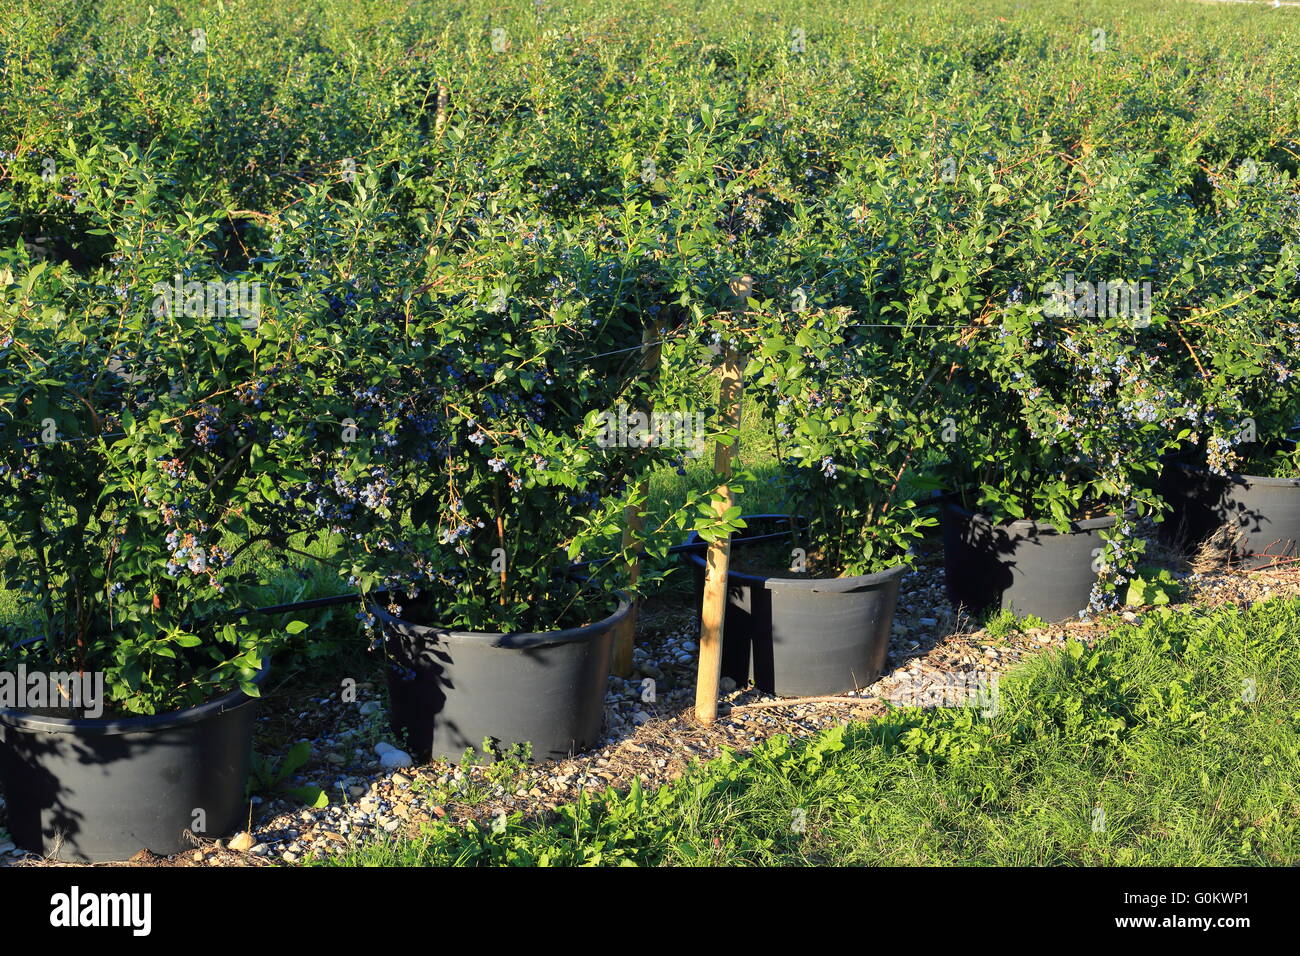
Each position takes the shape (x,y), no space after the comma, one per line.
(313,604)
(337,599)
(68,441)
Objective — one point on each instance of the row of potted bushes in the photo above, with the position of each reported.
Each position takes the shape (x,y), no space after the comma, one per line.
(514,649)
(436,421)
(103,789)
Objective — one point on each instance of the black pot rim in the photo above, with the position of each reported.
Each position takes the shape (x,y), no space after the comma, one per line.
(1030,527)
(858,582)
(836,585)
(694,537)
(26,722)
(1236,478)
(513,642)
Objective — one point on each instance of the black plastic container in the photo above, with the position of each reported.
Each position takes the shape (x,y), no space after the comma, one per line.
(1024,566)
(1263,514)
(800,637)
(450,690)
(95,791)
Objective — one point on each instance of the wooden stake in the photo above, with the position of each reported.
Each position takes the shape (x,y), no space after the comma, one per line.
(444,100)
(718,557)
(625,634)
(634,523)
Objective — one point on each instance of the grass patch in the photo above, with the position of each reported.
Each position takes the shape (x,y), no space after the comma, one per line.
(1001,624)
(1172,742)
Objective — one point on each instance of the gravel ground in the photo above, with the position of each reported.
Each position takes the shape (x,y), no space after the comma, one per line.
(935,659)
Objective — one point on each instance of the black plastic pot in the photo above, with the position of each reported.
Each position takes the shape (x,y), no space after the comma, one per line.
(1024,566)
(800,637)
(450,690)
(1262,513)
(85,790)
(932,505)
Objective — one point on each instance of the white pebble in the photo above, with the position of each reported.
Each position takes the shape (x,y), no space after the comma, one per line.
(392,759)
